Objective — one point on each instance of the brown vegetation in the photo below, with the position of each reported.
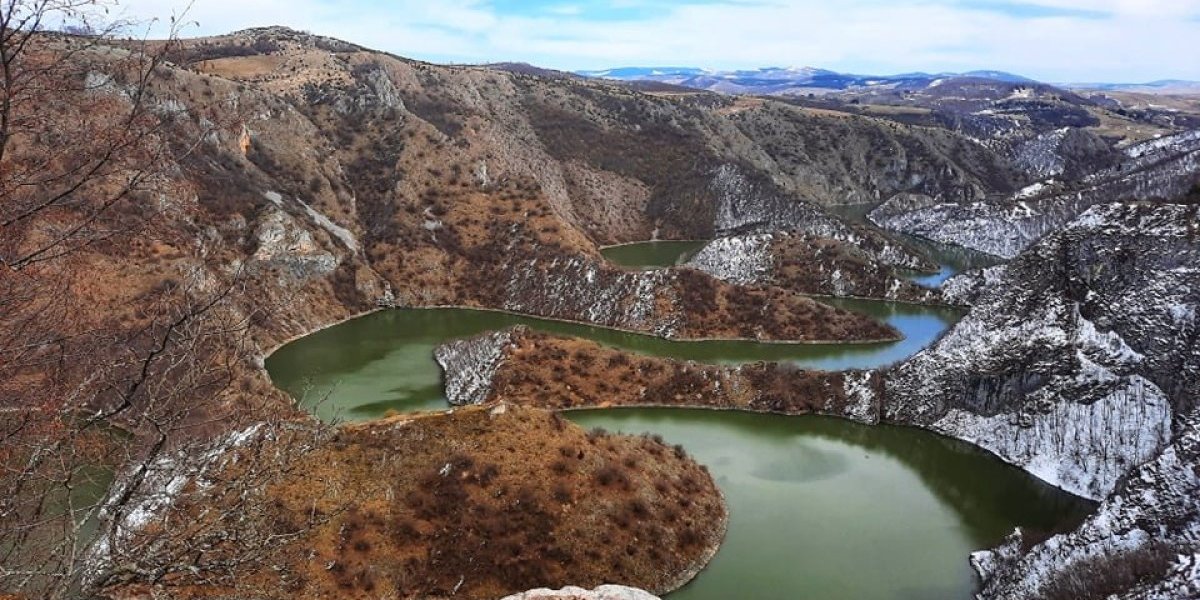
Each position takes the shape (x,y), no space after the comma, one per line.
(117,345)
(477,503)
(1111,575)
(269,183)
(556,372)
(806,264)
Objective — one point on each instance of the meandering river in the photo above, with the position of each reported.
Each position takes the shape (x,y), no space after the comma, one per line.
(819,508)
(828,509)
(383,362)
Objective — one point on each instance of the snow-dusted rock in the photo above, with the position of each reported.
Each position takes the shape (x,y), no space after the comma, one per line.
(469,365)
(745,260)
(283,242)
(749,207)
(1068,152)
(1162,169)
(578,288)
(820,266)
(1151,523)
(965,288)
(142,496)
(1082,448)
(1080,363)
(1075,355)
(604,592)
(862,398)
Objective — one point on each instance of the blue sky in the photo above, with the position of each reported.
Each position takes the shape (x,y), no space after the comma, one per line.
(1053,40)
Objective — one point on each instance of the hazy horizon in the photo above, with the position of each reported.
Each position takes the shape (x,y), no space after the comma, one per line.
(1115,41)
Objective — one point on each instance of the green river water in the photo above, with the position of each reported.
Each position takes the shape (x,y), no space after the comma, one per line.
(820,508)
(653,255)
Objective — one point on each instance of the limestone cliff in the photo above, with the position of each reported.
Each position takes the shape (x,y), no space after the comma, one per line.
(1159,169)
(1077,356)
(1078,361)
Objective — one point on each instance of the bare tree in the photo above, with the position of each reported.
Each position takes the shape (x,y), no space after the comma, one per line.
(86,392)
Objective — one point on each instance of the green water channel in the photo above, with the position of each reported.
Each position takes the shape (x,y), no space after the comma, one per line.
(382,362)
(820,508)
(652,255)
(951,259)
(827,509)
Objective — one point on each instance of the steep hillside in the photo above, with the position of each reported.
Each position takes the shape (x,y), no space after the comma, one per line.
(295,181)
(478,187)
(1076,356)
(299,180)
(809,265)
(838,158)
(1079,362)
(1165,168)
(478,503)
(1143,542)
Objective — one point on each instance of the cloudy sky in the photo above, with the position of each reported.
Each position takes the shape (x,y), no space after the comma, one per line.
(1052,40)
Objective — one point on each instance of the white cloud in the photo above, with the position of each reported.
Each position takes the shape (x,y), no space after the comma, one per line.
(1142,40)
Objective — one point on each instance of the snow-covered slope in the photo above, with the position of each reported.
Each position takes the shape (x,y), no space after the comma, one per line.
(1143,542)
(1080,362)
(1076,355)
(1159,169)
(809,265)
(1068,152)
(746,206)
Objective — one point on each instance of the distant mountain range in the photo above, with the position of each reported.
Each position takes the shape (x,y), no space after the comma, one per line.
(783,80)
(799,80)
(1162,86)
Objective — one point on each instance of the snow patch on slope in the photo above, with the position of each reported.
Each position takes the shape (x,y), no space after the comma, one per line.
(1081,448)
(744,260)
(861,398)
(1157,507)
(470,365)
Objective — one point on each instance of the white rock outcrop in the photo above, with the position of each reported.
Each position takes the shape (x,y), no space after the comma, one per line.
(604,592)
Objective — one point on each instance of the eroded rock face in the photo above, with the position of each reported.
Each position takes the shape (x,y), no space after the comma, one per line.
(285,243)
(1076,356)
(966,288)
(396,183)
(750,205)
(1163,168)
(470,365)
(830,159)
(1068,153)
(1143,542)
(1121,423)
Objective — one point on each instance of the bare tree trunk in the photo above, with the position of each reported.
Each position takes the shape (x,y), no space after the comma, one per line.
(83,140)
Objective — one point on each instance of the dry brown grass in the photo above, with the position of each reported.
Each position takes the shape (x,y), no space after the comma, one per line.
(479,503)
(1110,575)
(806,264)
(557,372)
(241,67)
